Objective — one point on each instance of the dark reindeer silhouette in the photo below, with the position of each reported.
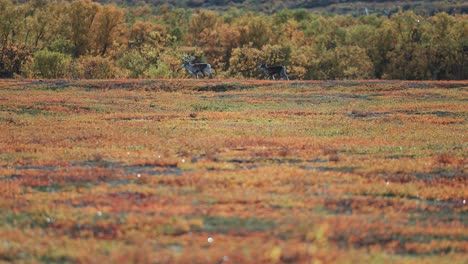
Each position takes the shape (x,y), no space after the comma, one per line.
(272,71)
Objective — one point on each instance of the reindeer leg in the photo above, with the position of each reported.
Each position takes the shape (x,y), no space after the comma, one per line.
(192,74)
(285,76)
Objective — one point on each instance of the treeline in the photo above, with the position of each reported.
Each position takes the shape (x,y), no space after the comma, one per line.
(85,39)
(348,7)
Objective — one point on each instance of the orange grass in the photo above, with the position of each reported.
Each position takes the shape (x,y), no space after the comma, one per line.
(145,171)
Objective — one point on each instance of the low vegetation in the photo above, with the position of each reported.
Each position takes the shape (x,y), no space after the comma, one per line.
(146,171)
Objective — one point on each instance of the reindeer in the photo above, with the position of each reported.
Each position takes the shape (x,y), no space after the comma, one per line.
(196,68)
(271,71)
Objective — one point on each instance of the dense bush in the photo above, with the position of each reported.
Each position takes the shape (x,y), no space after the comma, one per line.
(97,68)
(134,63)
(244,61)
(49,64)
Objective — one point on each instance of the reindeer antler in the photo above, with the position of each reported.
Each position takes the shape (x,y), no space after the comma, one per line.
(188,59)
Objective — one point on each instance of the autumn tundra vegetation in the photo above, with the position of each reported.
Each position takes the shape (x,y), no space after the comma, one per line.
(85,39)
(109,153)
(233,171)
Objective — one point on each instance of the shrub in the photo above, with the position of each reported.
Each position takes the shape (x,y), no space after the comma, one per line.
(159,71)
(74,70)
(275,54)
(49,64)
(97,68)
(244,62)
(345,62)
(134,63)
(12,59)
(168,65)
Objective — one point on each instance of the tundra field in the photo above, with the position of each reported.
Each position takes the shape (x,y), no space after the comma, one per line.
(146,171)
